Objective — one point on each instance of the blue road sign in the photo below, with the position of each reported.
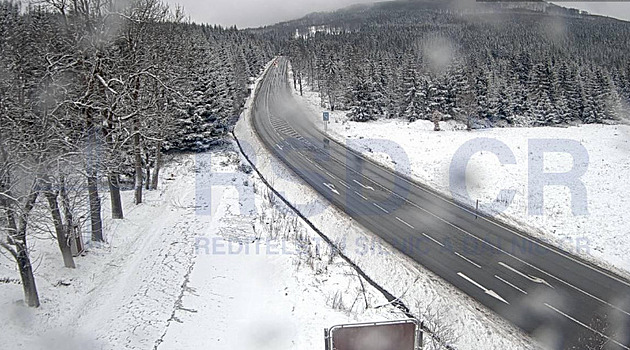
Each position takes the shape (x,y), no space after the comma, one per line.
(326,116)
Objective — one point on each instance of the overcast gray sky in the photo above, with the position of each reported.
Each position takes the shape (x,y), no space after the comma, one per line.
(253,13)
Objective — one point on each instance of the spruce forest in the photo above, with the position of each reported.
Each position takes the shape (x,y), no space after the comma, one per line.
(484,64)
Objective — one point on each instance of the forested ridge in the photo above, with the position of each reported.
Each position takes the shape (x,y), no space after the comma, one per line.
(534,64)
(92,93)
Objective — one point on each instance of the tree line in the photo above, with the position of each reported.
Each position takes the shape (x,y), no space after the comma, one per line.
(486,68)
(92,93)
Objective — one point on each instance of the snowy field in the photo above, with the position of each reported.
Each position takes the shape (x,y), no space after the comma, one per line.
(597,231)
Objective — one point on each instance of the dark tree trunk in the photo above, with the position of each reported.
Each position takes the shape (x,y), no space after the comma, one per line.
(300,79)
(137,152)
(114,195)
(62,240)
(20,254)
(72,231)
(95,207)
(65,204)
(147,167)
(31,298)
(158,165)
(113,176)
(138,165)
(92,181)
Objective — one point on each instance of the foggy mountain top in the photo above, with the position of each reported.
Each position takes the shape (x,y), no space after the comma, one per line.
(551,19)
(255,13)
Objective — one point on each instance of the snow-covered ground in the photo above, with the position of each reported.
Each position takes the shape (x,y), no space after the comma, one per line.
(195,266)
(599,233)
(259,282)
(121,292)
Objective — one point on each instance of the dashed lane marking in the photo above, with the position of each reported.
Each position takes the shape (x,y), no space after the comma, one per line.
(468,260)
(510,284)
(404,222)
(433,239)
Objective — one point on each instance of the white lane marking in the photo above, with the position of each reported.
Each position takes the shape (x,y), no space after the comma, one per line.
(310,161)
(360,195)
(510,284)
(343,184)
(381,208)
(471,281)
(329,174)
(585,326)
(280,147)
(468,260)
(433,239)
(404,222)
(485,290)
(531,278)
(362,185)
(331,187)
(318,167)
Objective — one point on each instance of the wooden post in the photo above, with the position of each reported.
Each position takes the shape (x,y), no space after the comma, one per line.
(477,209)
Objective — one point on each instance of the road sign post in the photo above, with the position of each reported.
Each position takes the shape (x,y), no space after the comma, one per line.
(326,116)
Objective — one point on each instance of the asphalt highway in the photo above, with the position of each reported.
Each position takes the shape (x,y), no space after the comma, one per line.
(547,292)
